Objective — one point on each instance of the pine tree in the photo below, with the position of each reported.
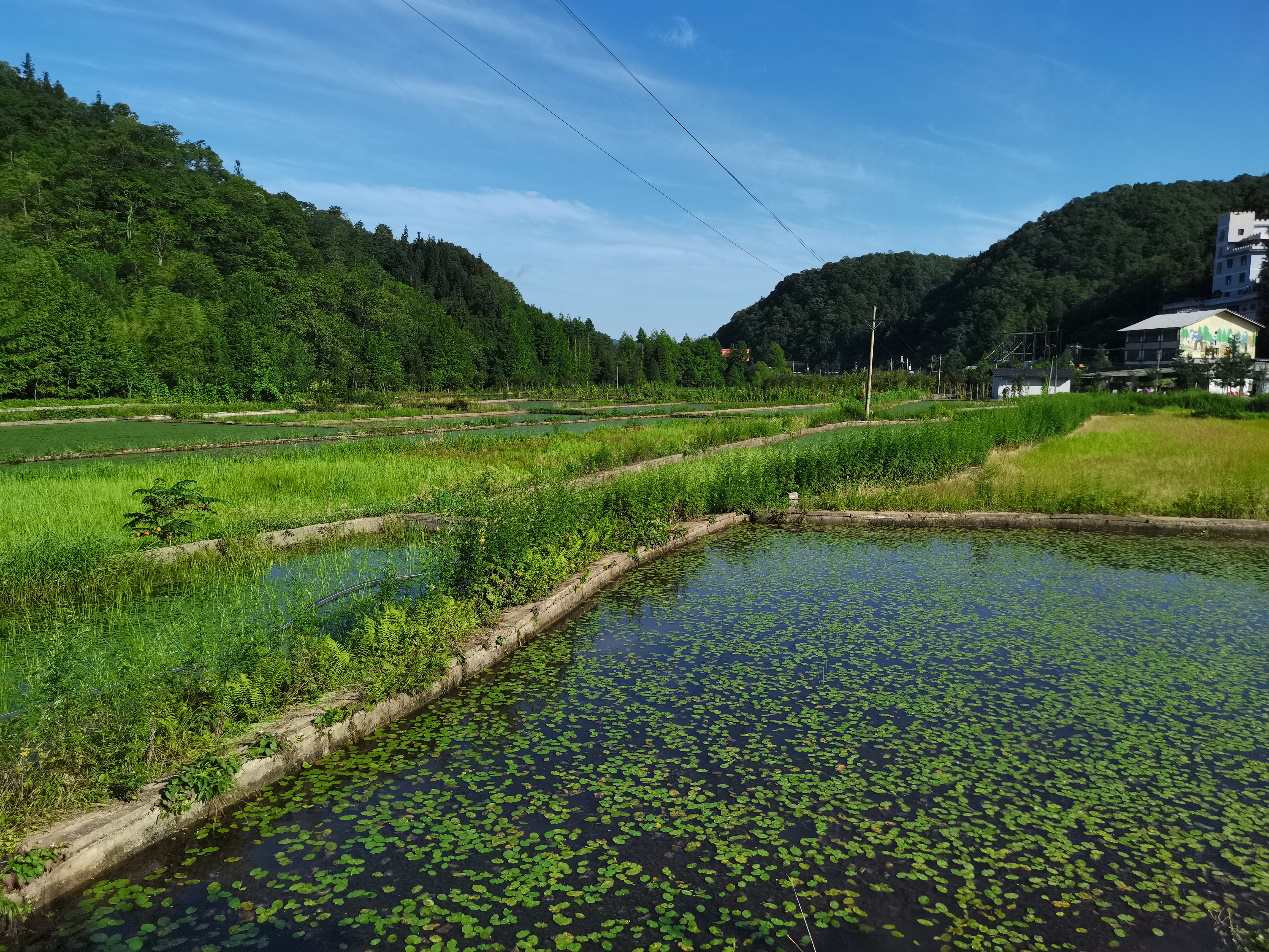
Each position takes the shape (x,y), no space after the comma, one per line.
(28,69)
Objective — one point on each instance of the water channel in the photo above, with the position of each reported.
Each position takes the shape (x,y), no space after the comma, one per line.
(884,739)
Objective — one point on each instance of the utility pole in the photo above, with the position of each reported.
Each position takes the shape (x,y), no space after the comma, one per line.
(872,341)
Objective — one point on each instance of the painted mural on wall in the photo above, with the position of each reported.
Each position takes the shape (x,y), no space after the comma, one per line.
(1200,336)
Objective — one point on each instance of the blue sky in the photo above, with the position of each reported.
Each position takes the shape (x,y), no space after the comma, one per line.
(930,126)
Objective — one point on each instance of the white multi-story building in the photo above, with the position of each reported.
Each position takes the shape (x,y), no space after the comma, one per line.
(1242,246)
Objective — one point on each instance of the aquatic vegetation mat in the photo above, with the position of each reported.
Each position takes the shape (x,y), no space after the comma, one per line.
(936,739)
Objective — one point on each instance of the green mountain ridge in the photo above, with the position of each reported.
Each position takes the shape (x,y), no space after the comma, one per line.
(132,261)
(1085,270)
(822,316)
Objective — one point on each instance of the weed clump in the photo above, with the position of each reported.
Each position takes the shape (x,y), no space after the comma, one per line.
(200,782)
(264,745)
(22,868)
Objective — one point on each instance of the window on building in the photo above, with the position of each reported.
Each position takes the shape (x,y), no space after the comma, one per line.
(1240,231)
(1244,261)
(1219,267)
(1228,279)
(1169,353)
(1222,237)
(1242,277)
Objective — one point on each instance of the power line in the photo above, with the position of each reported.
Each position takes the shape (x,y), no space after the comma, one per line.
(666,108)
(539,102)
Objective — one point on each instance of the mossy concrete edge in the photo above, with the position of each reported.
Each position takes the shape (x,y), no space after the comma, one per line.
(100,840)
(1081,522)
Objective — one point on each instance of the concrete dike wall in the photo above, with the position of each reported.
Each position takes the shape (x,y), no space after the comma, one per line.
(1074,522)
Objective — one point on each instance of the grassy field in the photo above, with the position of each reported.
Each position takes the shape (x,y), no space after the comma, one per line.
(918,409)
(39,440)
(54,439)
(1165,463)
(367,404)
(57,519)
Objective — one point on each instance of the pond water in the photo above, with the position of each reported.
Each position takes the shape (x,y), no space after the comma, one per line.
(916,738)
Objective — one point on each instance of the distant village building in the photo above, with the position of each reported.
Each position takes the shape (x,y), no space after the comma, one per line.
(1242,246)
(1159,340)
(1028,381)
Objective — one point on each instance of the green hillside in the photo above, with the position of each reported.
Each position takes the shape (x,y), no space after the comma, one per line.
(822,316)
(1088,268)
(132,261)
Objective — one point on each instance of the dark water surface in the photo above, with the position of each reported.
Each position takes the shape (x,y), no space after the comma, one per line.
(1000,741)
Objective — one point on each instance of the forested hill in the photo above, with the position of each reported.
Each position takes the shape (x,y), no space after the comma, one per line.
(132,261)
(1094,265)
(822,316)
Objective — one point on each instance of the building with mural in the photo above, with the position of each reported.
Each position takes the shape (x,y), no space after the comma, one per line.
(1159,340)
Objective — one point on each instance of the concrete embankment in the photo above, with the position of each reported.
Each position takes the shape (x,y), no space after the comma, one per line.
(1078,522)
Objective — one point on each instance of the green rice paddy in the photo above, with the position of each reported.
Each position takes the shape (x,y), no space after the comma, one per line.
(55,439)
(34,441)
(282,487)
(865,740)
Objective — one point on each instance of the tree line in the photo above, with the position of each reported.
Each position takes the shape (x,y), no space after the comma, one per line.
(133,262)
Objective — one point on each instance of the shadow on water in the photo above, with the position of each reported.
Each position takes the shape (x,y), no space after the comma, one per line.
(1004,741)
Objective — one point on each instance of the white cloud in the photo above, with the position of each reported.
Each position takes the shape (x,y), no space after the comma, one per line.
(679,33)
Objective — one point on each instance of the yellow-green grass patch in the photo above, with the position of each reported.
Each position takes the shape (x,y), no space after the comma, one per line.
(1165,463)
